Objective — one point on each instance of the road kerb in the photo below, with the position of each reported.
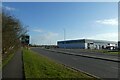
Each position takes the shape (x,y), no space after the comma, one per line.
(73,68)
(70,67)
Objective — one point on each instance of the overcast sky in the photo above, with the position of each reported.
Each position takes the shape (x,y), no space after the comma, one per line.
(81,20)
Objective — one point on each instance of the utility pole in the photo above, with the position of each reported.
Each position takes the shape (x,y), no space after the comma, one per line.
(64,34)
(64,37)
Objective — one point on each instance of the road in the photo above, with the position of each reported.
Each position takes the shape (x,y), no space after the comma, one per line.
(99,68)
(90,53)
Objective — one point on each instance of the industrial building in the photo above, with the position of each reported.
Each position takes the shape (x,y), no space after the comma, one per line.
(87,44)
(25,40)
(119,45)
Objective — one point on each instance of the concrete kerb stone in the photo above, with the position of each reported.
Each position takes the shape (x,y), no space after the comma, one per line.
(95,57)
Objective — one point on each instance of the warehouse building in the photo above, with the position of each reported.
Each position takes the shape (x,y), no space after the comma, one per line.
(87,44)
(25,39)
(119,45)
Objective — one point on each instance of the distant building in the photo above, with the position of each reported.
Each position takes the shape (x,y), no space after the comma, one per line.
(119,45)
(25,39)
(87,44)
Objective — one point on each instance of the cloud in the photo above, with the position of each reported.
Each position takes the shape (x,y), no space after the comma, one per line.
(38,30)
(113,21)
(8,8)
(48,36)
(45,38)
(105,36)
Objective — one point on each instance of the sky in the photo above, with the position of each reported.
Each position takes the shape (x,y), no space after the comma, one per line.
(49,21)
(60,0)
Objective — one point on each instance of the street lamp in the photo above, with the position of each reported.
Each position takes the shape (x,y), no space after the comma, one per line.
(64,37)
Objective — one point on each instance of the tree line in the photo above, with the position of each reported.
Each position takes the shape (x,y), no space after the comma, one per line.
(12,31)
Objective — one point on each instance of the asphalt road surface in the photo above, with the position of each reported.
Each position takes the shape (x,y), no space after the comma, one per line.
(13,70)
(99,68)
(83,52)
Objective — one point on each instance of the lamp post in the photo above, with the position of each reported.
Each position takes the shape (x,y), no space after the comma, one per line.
(64,37)
(64,34)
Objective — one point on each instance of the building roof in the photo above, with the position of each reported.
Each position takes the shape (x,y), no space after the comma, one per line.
(90,40)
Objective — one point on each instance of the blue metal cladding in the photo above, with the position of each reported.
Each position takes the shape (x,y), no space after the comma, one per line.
(84,44)
(72,44)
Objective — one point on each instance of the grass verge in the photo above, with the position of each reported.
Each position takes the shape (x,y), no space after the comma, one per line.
(111,52)
(99,51)
(7,59)
(38,66)
(106,51)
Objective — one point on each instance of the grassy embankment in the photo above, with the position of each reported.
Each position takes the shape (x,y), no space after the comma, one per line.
(106,51)
(38,66)
(7,57)
(100,51)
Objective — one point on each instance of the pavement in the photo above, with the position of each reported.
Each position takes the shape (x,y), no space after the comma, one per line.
(14,69)
(97,67)
(96,55)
